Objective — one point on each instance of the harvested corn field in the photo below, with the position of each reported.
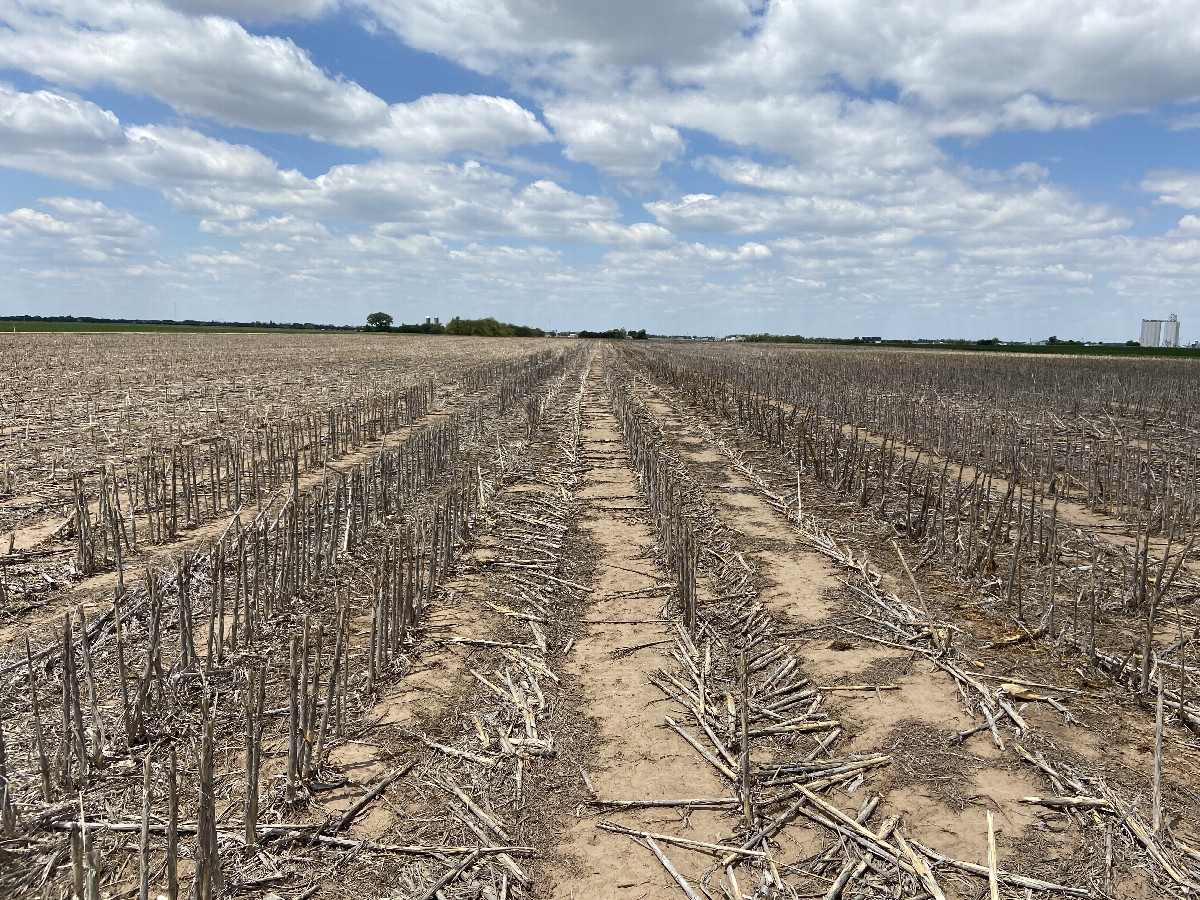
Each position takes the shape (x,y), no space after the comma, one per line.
(364,617)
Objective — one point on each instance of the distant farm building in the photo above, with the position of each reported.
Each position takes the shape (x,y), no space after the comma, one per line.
(1160,332)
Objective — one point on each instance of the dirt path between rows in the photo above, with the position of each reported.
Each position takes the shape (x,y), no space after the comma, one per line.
(637,760)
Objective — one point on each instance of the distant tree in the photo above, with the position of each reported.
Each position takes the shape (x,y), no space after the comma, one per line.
(490,327)
(1053,339)
(616,334)
(380,321)
(639,335)
(1133,343)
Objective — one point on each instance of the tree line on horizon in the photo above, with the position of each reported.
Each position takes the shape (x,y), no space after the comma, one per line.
(486,327)
(617,334)
(196,323)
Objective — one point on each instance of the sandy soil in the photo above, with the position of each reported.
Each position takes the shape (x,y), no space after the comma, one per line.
(636,760)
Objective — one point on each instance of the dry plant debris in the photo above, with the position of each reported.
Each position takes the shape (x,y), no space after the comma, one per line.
(552,619)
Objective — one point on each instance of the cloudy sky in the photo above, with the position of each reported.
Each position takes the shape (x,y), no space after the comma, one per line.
(831,167)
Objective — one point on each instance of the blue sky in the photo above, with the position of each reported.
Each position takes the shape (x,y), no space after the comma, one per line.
(832,167)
